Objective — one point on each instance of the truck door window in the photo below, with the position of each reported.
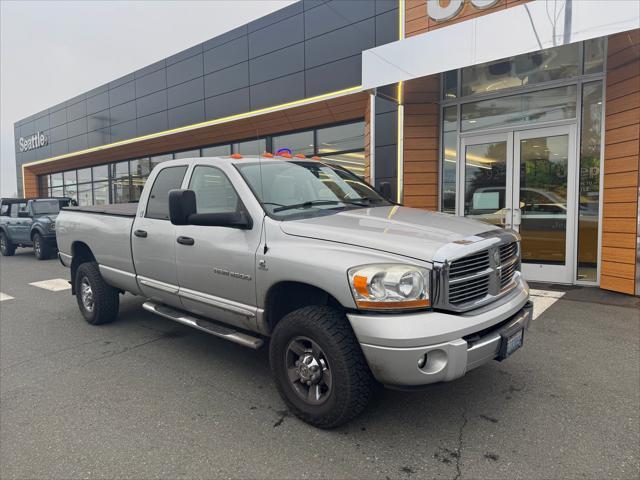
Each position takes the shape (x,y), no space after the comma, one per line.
(214,192)
(4,212)
(19,210)
(169,178)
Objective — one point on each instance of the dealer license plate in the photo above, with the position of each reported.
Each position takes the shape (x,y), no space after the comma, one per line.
(514,342)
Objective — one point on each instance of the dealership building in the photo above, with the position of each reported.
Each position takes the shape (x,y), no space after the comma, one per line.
(525,114)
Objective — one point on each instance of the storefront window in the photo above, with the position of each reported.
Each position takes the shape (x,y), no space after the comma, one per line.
(528,69)
(120,182)
(301,142)
(341,138)
(101,193)
(217,151)
(450,84)
(71,191)
(56,179)
(70,177)
(527,108)
(594,55)
(140,169)
(84,175)
(85,195)
(589,206)
(101,172)
(188,154)
(57,192)
(449,158)
(252,147)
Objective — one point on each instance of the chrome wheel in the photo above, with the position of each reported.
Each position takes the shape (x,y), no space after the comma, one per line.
(308,371)
(86,294)
(3,243)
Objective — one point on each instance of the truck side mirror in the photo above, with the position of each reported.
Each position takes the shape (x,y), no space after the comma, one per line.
(384,189)
(182,203)
(183,211)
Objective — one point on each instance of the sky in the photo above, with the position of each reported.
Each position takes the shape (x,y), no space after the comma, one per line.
(51,51)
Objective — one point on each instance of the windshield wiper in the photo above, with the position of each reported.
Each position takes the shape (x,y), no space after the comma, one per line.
(307,204)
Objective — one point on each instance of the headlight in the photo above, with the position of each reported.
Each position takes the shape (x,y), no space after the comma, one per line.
(390,286)
(52,226)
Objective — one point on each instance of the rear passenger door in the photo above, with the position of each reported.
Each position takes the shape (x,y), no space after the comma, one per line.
(153,239)
(19,223)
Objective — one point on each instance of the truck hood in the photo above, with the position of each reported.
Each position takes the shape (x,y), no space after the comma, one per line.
(410,232)
(46,218)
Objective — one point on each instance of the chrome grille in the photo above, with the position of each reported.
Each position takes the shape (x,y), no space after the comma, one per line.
(509,262)
(467,282)
(469,290)
(469,265)
(477,277)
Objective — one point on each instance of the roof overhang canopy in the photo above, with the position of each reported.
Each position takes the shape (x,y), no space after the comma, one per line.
(521,29)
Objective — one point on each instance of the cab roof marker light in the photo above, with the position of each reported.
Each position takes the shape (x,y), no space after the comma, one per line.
(300,155)
(236,156)
(284,155)
(267,155)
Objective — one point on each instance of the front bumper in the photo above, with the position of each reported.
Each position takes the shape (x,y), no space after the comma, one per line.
(449,345)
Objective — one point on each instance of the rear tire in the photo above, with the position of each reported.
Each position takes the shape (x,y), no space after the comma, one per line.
(41,248)
(7,249)
(319,368)
(98,301)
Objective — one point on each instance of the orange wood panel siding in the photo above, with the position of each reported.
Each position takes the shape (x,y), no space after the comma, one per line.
(421,142)
(348,107)
(417,21)
(621,154)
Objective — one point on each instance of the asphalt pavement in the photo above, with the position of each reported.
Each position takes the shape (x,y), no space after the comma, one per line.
(147,398)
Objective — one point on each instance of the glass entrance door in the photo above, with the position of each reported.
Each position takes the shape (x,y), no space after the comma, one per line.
(525,180)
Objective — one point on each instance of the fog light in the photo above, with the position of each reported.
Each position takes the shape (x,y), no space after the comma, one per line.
(422,361)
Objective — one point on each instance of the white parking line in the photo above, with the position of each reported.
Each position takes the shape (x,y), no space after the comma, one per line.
(4,296)
(543,299)
(55,284)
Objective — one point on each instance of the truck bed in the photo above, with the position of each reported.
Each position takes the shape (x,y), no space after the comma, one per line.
(117,209)
(106,231)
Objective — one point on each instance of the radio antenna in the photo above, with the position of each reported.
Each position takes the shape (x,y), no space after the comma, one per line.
(264,219)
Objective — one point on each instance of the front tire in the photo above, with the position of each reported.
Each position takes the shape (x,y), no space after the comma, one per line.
(319,368)
(7,249)
(98,301)
(41,248)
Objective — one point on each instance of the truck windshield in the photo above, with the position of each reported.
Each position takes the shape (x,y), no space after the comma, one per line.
(46,207)
(290,190)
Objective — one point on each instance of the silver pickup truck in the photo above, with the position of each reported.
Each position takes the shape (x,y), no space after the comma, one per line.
(348,288)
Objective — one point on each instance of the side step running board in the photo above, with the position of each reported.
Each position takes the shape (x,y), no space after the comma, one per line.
(204,325)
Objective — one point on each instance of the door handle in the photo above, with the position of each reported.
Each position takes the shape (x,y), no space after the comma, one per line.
(186,240)
(517,217)
(140,233)
(503,220)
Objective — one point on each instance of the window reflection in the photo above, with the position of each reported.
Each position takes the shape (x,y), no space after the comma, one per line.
(528,69)
(449,157)
(527,108)
(589,206)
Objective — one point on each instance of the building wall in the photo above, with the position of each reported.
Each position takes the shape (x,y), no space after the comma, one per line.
(421,142)
(306,49)
(622,151)
(417,21)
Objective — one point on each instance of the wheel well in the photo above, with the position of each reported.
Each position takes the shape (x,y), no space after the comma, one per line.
(285,297)
(80,253)
(34,231)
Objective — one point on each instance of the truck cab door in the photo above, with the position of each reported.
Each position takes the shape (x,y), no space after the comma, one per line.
(153,239)
(216,265)
(19,223)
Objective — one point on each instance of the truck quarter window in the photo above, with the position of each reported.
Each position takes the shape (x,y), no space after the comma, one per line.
(169,178)
(214,192)
(5,210)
